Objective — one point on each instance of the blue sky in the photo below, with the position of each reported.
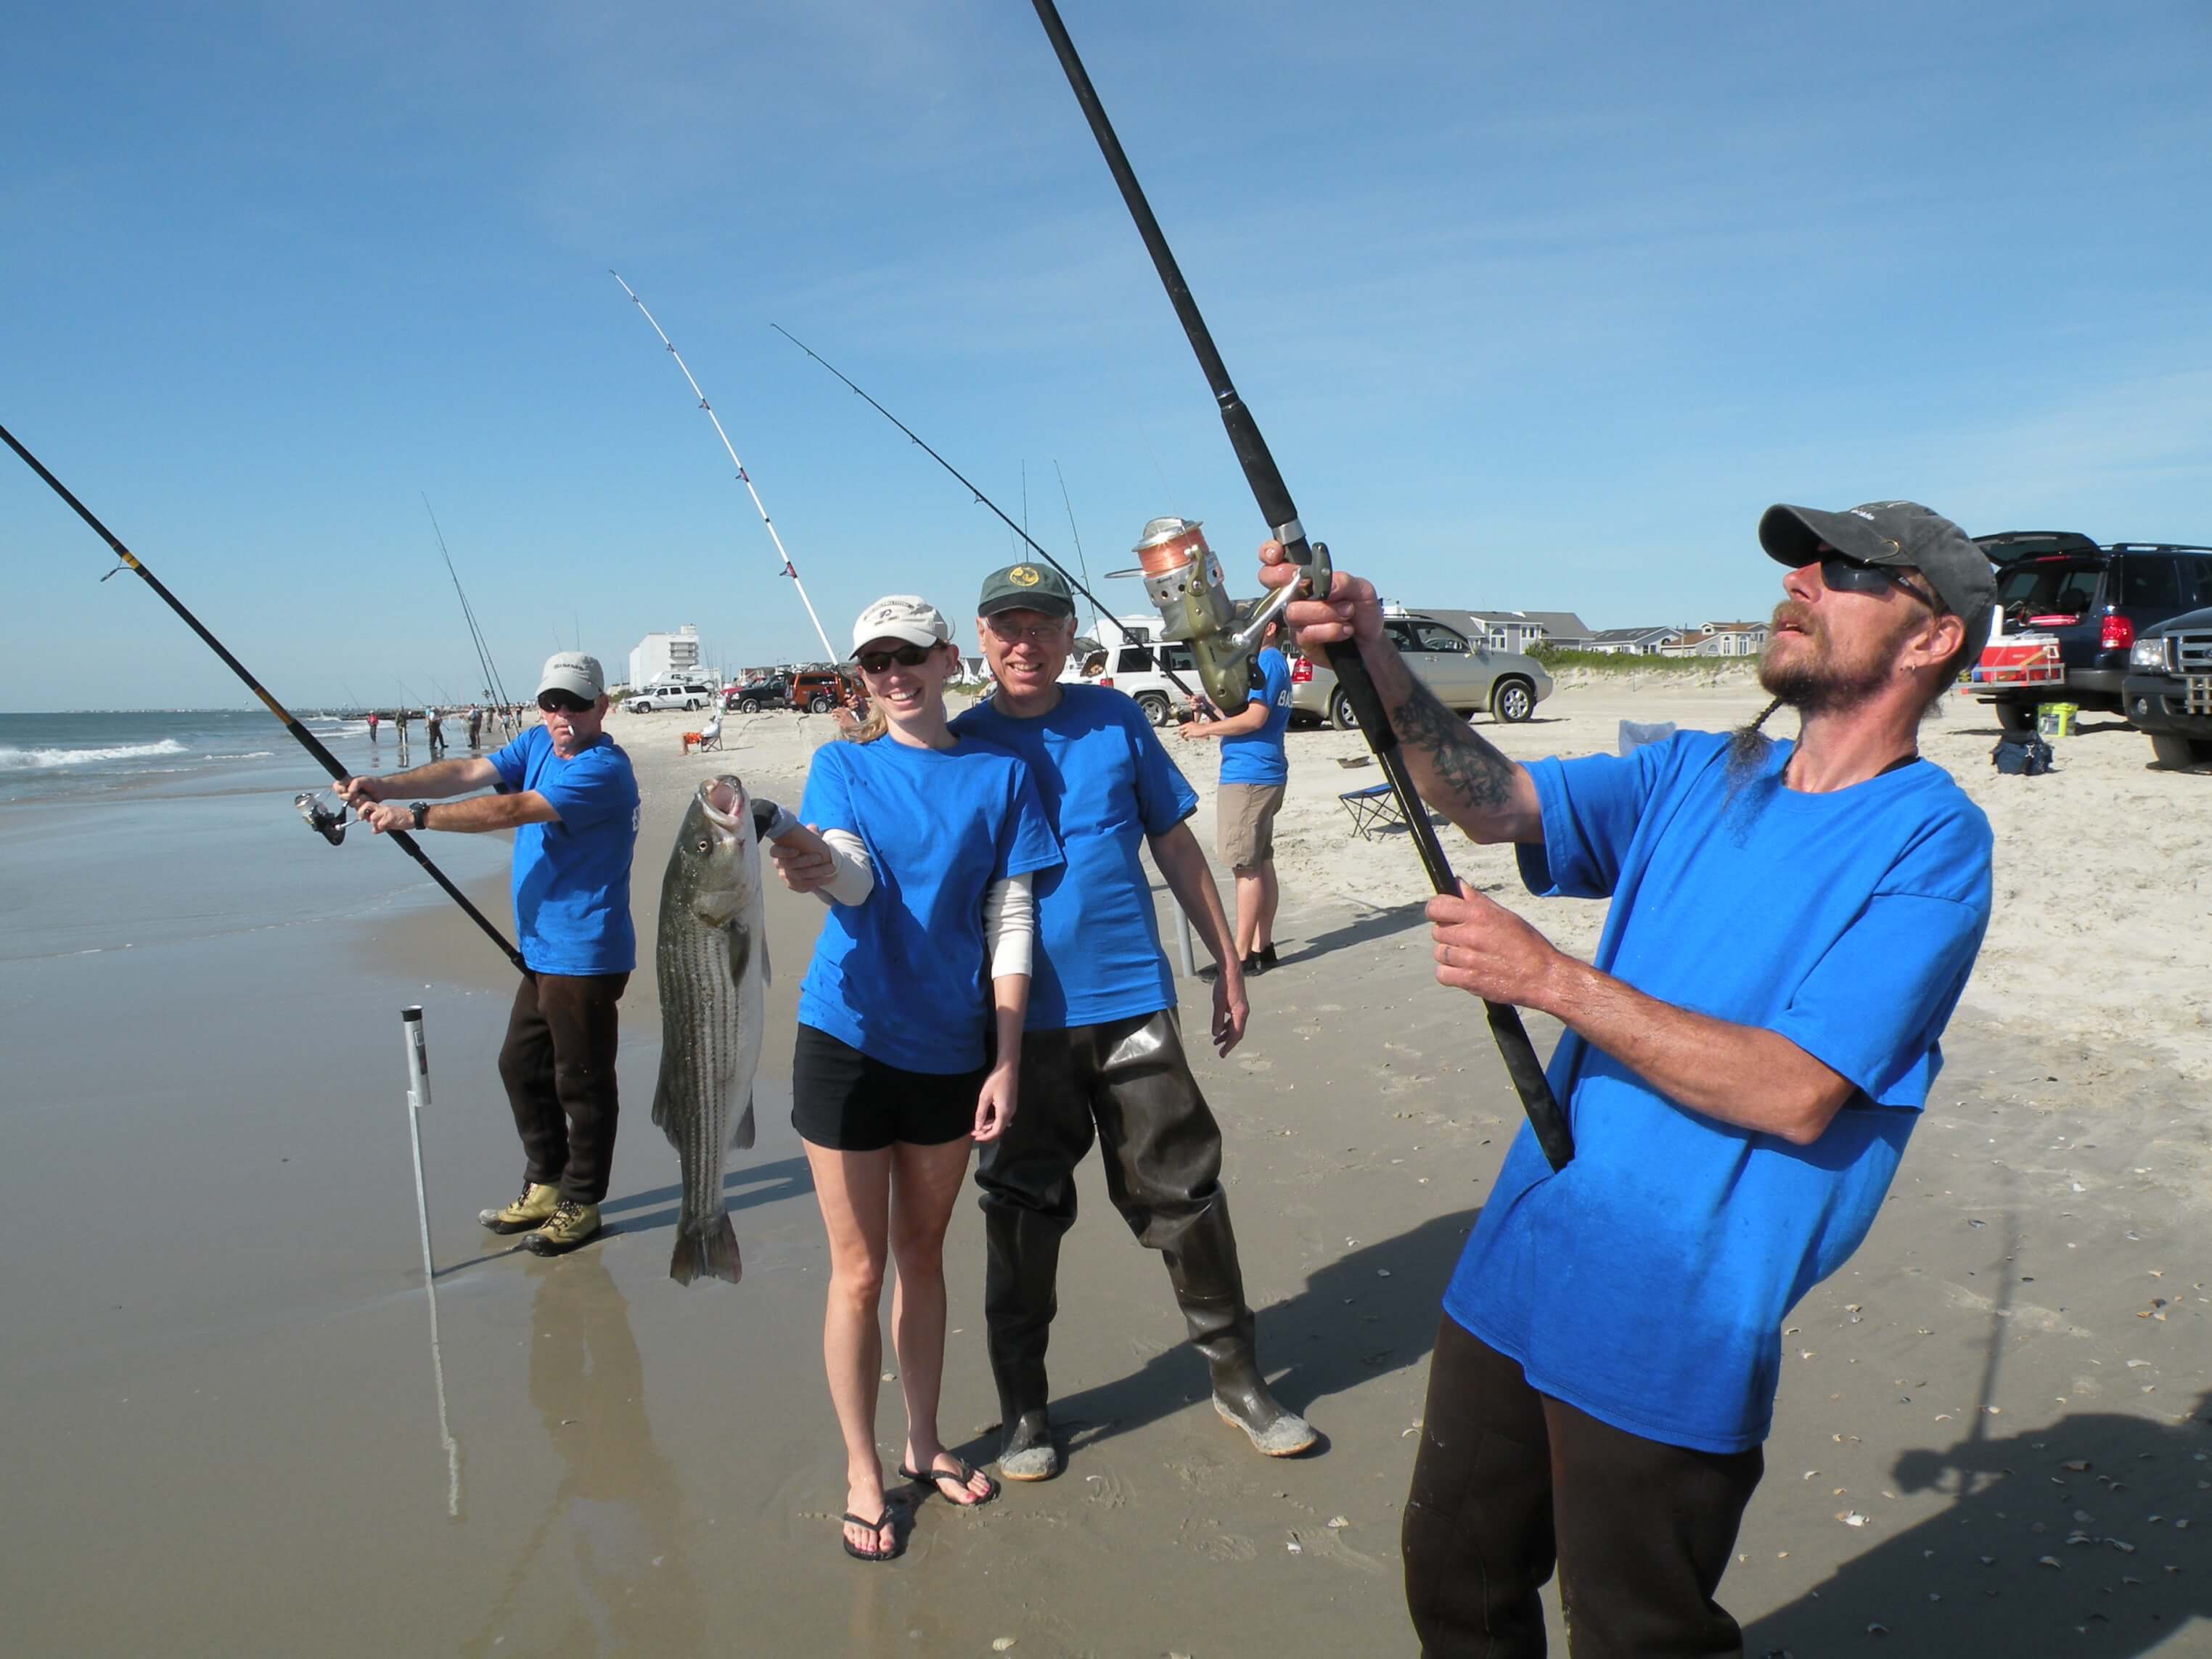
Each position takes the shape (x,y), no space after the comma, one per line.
(1538,307)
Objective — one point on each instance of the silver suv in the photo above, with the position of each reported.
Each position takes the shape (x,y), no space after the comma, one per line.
(671,694)
(1466,678)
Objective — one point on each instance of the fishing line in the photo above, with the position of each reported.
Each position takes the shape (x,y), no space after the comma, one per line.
(1067,575)
(1076,535)
(306,740)
(743,477)
(1281,515)
(493,683)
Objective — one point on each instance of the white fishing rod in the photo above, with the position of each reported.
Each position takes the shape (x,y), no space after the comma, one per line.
(829,651)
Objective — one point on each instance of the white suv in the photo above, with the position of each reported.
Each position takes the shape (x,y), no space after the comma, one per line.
(671,694)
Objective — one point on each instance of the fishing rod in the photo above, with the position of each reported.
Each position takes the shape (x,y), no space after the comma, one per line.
(306,740)
(1281,514)
(493,683)
(1075,534)
(744,477)
(1067,575)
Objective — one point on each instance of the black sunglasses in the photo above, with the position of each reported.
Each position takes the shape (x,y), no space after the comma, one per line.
(561,702)
(907,656)
(1845,575)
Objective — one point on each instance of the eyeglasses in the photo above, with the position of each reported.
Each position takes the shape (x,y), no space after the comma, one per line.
(1843,574)
(1035,633)
(907,656)
(561,702)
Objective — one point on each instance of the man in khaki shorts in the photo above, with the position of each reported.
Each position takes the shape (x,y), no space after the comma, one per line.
(1254,770)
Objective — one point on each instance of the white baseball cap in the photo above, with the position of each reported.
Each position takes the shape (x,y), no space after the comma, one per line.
(574,672)
(902,616)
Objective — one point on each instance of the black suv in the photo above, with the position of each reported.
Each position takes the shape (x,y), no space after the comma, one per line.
(2169,688)
(2093,601)
(756,695)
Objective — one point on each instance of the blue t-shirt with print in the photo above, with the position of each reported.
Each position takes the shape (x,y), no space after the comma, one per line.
(572,878)
(903,976)
(1258,756)
(1108,784)
(1646,1283)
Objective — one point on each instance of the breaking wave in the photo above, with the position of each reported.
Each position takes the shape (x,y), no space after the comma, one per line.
(41,760)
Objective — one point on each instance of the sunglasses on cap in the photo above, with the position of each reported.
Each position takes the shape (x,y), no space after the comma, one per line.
(561,702)
(1845,575)
(907,656)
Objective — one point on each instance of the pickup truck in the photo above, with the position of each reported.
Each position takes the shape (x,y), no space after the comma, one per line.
(2168,689)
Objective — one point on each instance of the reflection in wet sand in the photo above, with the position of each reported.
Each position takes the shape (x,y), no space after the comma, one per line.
(631,1589)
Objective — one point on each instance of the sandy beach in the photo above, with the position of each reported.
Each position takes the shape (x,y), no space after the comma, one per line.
(1993,1434)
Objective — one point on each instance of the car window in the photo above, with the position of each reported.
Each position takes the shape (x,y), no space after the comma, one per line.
(2151,579)
(1133,659)
(1179,659)
(1435,637)
(2048,587)
(1400,635)
(2195,575)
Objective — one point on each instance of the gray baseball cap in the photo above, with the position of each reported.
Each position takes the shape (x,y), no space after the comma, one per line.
(904,616)
(574,672)
(1898,534)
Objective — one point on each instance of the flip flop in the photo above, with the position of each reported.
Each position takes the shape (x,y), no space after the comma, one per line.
(877,1525)
(960,1475)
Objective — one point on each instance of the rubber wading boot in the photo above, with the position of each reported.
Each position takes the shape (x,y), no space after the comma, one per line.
(532,1209)
(1021,1261)
(1210,1287)
(570,1225)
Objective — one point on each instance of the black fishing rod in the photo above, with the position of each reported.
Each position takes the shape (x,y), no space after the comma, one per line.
(1273,497)
(1068,576)
(306,740)
(1075,535)
(492,681)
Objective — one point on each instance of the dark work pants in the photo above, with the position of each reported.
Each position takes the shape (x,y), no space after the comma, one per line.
(1509,1480)
(1128,1083)
(558,1064)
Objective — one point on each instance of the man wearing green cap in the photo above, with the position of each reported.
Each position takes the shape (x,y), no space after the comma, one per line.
(1102,1054)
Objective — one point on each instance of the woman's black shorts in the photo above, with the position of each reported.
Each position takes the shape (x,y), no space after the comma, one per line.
(846,1101)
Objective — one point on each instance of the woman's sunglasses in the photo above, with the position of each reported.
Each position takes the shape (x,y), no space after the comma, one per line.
(1848,575)
(907,656)
(561,702)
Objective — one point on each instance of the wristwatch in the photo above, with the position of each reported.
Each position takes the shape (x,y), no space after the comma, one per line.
(421,809)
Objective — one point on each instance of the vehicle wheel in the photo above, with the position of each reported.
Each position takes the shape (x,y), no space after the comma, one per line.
(1512,700)
(749,705)
(1155,707)
(821,705)
(2016,718)
(1340,712)
(2180,753)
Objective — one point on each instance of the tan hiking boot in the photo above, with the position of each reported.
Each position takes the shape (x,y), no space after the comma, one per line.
(533,1208)
(570,1225)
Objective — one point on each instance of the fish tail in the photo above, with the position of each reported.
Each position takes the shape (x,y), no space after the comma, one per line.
(743,1139)
(712,1252)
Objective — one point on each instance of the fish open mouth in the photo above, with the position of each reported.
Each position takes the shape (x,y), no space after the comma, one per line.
(724,800)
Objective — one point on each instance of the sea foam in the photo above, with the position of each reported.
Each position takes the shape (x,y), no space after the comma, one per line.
(40,760)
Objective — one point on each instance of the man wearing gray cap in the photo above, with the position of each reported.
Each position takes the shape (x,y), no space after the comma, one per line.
(1791,924)
(566,791)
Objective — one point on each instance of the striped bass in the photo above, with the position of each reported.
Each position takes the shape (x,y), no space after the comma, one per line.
(711,959)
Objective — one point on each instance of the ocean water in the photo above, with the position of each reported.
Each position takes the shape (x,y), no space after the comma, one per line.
(126,830)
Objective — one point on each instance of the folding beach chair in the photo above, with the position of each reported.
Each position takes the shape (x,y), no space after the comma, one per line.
(1373,809)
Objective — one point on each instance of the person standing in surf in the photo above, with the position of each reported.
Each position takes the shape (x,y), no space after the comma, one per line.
(923,843)
(566,791)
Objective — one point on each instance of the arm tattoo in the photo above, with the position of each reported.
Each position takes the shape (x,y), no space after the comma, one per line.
(1464,764)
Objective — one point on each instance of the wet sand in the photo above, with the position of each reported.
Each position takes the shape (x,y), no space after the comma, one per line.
(226,1427)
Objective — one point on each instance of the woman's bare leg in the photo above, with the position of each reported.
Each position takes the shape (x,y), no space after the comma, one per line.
(924,1182)
(854,1189)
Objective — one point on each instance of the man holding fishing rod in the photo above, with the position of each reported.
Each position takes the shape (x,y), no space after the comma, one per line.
(566,791)
(1792,923)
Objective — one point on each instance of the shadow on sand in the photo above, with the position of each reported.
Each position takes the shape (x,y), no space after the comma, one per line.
(1375,924)
(1350,1323)
(2087,1536)
(742,1189)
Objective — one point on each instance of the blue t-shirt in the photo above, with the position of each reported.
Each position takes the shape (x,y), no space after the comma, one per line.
(1108,784)
(1646,1283)
(572,878)
(903,976)
(1258,756)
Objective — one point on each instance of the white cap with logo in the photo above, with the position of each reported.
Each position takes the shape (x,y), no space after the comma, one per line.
(574,672)
(905,616)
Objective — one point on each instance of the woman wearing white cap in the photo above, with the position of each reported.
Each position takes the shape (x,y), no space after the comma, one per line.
(910,1025)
